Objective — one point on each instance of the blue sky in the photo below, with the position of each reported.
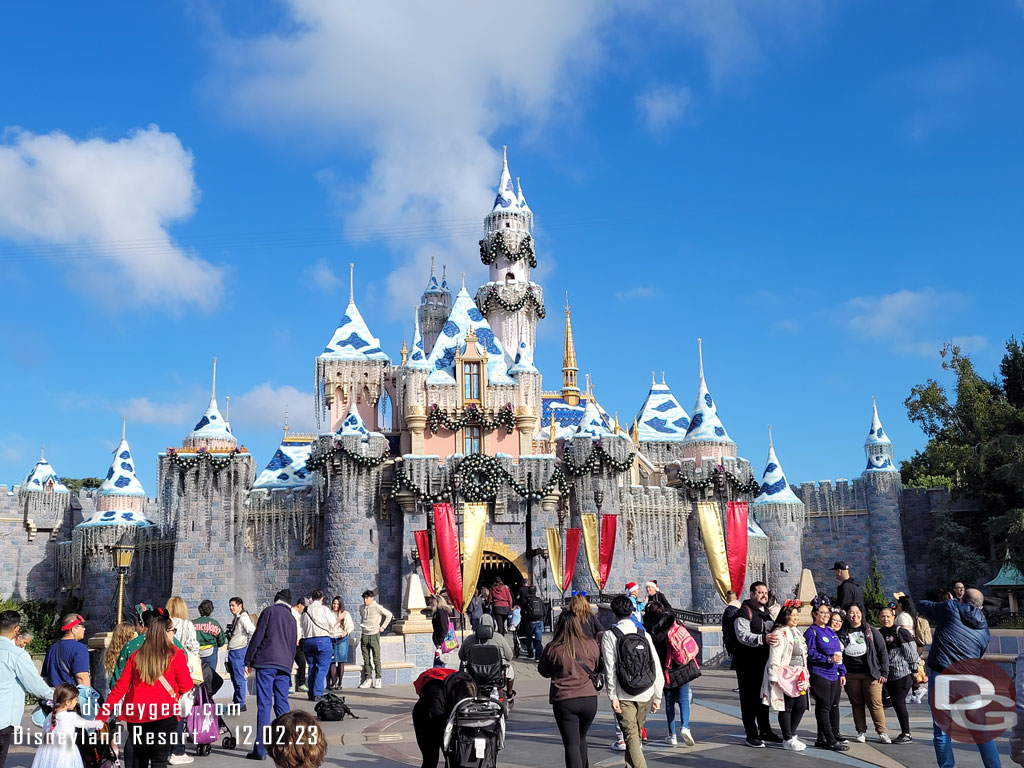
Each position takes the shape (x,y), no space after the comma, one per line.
(824,192)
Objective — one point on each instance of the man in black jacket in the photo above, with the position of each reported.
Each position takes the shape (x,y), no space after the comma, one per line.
(752,626)
(849,591)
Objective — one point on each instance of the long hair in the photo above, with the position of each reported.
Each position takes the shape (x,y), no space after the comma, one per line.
(123,632)
(177,609)
(441,603)
(569,633)
(782,620)
(341,604)
(154,655)
(579,605)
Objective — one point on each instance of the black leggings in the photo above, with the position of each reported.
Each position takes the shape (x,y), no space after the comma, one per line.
(898,690)
(573,718)
(789,718)
(151,742)
(826,695)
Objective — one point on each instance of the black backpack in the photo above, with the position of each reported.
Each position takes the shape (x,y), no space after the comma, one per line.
(732,645)
(533,609)
(634,664)
(333,707)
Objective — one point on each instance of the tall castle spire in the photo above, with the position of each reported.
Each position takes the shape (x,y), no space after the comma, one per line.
(878,446)
(570,388)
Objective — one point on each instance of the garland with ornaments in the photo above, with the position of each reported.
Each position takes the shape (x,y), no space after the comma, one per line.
(511,306)
(720,477)
(478,477)
(595,462)
(364,462)
(186,460)
(473,417)
(501,244)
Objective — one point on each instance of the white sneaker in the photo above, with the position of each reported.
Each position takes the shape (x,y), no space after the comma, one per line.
(180,759)
(800,745)
(687,737)
(794,745)
(378,683)
(366,683)
(883,738)
(671,740)
(860,738)
(619,746)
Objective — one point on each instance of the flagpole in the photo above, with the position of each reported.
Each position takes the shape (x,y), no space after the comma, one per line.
(458,533)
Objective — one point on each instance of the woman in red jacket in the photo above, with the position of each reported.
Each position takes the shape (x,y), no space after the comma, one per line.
(501,604)
(148,691)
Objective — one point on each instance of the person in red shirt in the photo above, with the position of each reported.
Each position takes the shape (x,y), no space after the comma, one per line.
(501,605)
(148,691)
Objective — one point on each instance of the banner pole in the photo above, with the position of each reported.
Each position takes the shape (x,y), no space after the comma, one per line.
(458,530)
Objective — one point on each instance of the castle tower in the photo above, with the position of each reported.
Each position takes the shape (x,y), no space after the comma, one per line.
(510,302)
(202,490)
(43,499)
(435,304)
(121,490)
(883,490)
(661,424)
(706,436)
(351,365)
(412,391)
(570,386)
(782,516)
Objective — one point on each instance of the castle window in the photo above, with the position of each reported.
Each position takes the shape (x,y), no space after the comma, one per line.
(471,382)
(509,278)
(471,440)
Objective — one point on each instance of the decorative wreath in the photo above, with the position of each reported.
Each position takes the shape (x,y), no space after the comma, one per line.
(501,244)
(529,297)
(594,463)
(365,462)
(187,461)
(473,416)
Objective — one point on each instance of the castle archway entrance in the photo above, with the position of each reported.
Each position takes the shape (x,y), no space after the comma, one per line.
(493,566)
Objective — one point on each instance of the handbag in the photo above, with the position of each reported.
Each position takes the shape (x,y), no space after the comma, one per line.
(682,674)
(195,667)
(920,676)
(596,678)
(450,642)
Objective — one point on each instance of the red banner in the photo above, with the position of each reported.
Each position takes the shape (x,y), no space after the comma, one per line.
(736,536)
(572,551)
(609,525)
(423,548)
(448,552)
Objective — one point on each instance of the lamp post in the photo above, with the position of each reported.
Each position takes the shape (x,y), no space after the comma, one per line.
(122,555)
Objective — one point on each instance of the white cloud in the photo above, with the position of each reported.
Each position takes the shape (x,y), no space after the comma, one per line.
(104,203)
(903,319)
(142,410)
(661,106)
(635,292)
(264,406)
(323,276)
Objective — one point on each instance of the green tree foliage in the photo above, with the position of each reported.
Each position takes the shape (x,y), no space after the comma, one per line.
(42,617)
(75,484)
(976,447)
(874,598)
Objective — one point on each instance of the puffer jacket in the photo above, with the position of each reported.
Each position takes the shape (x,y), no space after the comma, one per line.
(961,632)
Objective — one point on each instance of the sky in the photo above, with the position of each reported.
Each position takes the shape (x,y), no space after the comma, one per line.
(824,192)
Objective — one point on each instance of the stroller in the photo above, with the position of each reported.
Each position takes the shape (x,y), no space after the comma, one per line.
(205,725)
(474,734)
(485,665)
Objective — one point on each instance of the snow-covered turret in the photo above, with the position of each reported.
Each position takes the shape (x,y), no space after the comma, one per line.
(878,446)
(211,432)
(706,436)
(121,490)
(42,478)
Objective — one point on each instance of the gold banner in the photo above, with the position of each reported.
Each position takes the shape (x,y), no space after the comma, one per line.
(555,556)
(474,523)
(714,545)
(590,546)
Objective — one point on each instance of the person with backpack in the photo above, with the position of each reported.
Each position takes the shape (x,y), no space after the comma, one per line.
(533,617)
(632,677)
(677,652)
(753,627)
(501,605)
(439,689)
(918,626)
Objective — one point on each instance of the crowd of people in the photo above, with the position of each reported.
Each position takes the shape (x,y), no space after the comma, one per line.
(644,661)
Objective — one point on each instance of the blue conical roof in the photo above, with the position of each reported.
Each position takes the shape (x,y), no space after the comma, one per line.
(878,447)
(506,199)
(774,486)
(705,425)
(592,423)
(353,425)
(466,315)
(417,355)
(211,426)
(523,362)
(661,419)
(352,340)
(876,435)
(287,468)
(121,479)
(43,477)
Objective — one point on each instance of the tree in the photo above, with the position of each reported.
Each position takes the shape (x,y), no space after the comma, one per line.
(874,597)
(75,484)
(975,447)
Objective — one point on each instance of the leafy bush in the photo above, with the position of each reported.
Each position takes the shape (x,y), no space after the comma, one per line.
(42,617)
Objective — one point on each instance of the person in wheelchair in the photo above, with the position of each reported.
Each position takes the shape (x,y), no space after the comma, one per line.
(487,657)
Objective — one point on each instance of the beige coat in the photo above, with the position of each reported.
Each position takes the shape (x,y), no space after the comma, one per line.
(780,655)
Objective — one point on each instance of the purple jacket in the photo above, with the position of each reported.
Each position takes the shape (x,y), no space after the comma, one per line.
(273,643)
(822,642)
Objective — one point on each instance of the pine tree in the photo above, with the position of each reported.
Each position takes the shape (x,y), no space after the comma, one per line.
(874,598)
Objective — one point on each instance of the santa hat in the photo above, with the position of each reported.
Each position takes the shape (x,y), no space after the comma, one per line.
(653,584)
(630,587)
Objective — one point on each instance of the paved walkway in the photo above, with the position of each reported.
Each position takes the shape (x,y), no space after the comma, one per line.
(383,735)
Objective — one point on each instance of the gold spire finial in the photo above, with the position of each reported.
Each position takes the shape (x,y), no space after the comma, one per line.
(636,433)
(553,431)
(286,420)
(617,429)
(570,385)
(352,282)
(405,352)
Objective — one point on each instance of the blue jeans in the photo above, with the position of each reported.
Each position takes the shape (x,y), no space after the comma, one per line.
(271,690)
(680,696)
(944,744)
(236,669)
(534,644)
(319,653)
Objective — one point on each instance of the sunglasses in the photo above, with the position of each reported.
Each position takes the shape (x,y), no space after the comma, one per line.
(172,630)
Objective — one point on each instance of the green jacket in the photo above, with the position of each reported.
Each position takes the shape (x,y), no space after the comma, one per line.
(209,633)
(126,653)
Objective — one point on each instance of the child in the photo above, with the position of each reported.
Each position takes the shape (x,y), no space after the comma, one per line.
(515,618)
(298,741)
(59,749)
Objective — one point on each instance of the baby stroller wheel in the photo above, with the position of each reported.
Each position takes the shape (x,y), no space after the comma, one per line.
(203,750)
(229,742)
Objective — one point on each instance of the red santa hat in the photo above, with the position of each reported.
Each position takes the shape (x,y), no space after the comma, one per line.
(630,587)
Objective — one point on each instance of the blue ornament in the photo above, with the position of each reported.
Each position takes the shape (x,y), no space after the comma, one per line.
(110,473)
(345,320)
(126,466)
(486,335)
(771,490)
(501,202)
(353,341)
(682,422)
(659,425)
(880,433)
(280,460)
(695,422)
(772,466)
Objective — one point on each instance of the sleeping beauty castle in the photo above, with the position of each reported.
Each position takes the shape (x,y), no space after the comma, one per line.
(461,416)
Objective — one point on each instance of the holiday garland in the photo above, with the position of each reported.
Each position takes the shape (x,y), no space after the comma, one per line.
(511,306)
(473,416)
(499,244)
(366,462)
(478,477)
(593,464)
(720,477)
(186,461)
